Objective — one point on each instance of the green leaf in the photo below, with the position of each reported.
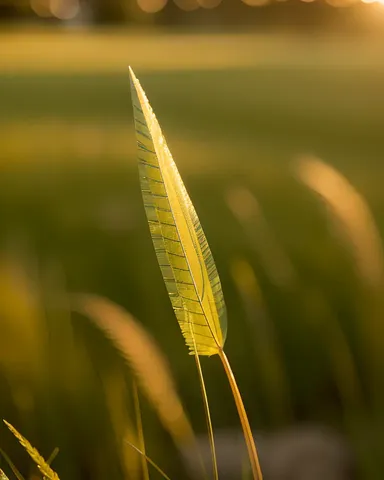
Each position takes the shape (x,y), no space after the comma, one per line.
(186,262)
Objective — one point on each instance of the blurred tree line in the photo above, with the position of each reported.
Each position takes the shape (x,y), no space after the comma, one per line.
(297,14)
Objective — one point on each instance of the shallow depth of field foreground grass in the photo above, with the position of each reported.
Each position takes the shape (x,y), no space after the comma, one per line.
(71,216)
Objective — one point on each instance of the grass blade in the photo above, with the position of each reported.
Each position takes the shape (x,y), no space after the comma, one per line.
(249,440)
(148,459)
(182,250)
(140,430)
(42,465)
(185,259)
(53,456)
(207,415)
(145,358)
(350,212)
(11,465)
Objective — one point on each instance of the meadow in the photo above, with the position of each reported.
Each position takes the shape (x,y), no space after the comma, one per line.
(238,111)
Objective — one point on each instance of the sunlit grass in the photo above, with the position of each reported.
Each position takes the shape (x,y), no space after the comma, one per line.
(111,50)
(69,194)
(41,463)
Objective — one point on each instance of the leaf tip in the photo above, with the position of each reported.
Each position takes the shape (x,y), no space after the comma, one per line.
(132,77)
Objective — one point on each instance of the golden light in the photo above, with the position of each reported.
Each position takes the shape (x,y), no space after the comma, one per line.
(41,8)
(187,5)
(342,3)
(256,3)
(349,214)
(209,3)
(65,9)
(151,6)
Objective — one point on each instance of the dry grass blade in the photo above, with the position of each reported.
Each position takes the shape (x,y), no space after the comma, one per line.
(42,465)
(146,360)
(247,211)
(351,212)
(140,429)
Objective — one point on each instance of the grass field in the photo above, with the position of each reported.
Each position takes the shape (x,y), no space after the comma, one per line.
(237,110)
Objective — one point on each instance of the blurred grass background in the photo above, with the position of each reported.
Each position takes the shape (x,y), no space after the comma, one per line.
(237,110)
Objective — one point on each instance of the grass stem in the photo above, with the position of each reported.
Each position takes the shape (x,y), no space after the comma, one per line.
(249,440)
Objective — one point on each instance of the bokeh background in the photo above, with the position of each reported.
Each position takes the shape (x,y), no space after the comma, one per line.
(274,112)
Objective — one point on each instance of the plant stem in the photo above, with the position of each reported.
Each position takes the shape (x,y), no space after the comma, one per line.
(208,417)
(140,430)
(149,460)
(251,447)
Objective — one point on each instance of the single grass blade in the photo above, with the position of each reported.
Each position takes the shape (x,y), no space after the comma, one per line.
(149,460)
(350,212)
(53,456)
(42,465)
(185,260)
(11,465)
(207,412)
(146,360)
(249,440)
(140,429)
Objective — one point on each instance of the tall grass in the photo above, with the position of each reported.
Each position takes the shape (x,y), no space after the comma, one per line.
(63,383)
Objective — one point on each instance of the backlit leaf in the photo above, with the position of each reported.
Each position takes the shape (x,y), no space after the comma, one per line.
(185,259)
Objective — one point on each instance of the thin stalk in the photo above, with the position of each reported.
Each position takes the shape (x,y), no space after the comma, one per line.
(149,460)
(140,430)
(206,409)
(53,455)
(208,417)
(251,447)
(11,465)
